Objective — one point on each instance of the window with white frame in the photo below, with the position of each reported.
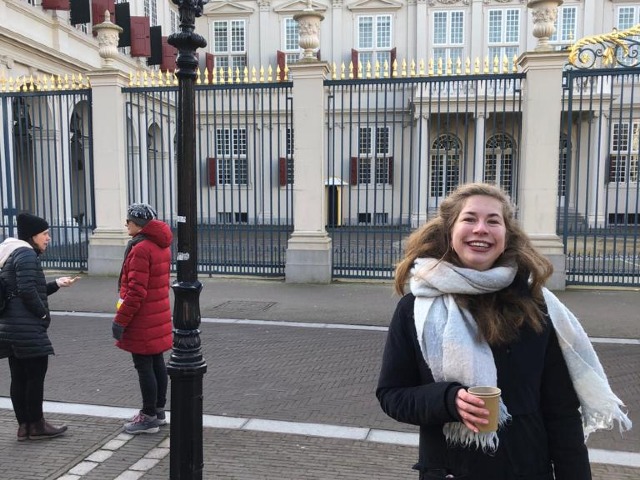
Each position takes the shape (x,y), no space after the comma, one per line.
(498,161)
(151,11)
(231,154)
(627,16)
(374,40)
(448,36)
(291,40)
(444,175)
(566,27)
(230,43)
(503,35)
(373,155)
(175,22)
(623,158)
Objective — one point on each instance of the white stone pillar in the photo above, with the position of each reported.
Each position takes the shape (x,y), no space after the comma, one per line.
(597,188)
(309,248)
(106,245)
(477,17)
(478,161)
(420,178)
(420,20)
(539,163)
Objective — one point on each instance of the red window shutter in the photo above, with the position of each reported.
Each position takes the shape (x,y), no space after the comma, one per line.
(354,60)
(169,55)
(281,60)
(353,171)
(390,170)
(140,37)
(212,171)
(282,171)
(210,65)
(55,5)
(393,59)
(98,8)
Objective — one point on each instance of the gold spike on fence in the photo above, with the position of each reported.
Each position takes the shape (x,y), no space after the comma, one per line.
(44,83)
(397,69)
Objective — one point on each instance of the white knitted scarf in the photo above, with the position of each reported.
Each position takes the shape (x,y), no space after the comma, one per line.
(455,351)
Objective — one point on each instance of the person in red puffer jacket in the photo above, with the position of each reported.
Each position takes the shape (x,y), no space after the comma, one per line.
(142,325)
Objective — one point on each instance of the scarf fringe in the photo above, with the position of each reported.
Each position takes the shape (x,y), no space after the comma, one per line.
(457,433)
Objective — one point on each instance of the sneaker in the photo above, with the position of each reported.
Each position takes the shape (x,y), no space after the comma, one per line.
(162,417)
(142,423)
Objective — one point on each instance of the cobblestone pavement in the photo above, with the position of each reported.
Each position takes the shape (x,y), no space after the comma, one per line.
(266,371)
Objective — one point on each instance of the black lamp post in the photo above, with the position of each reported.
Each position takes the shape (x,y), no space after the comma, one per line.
(186,365)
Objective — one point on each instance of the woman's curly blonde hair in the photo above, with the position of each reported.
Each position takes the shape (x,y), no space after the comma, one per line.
(508,308)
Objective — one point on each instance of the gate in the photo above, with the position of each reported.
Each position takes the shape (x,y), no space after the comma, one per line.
(244,150)
(599,194)
(46,165)
(398,146)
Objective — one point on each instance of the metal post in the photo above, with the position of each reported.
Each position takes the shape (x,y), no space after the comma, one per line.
(186,366)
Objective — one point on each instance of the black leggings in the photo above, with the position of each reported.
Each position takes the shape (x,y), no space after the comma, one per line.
(152,374)
(27,387)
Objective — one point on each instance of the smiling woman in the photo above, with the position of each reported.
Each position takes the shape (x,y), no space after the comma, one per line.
(478,315)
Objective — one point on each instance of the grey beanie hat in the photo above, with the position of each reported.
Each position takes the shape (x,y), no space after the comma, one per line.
(141,213)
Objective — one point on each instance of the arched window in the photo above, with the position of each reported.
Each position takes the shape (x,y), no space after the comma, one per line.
(444,173)
(499,156)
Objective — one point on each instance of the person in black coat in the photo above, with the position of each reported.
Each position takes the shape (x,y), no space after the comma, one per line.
(478,314)
(24,324)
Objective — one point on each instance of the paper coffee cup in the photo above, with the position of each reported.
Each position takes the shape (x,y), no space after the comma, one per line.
(491,397)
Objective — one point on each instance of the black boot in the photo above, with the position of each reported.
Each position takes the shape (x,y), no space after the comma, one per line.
(43,429)
(23,432)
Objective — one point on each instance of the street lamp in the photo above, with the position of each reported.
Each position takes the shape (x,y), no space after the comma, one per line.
(186,365)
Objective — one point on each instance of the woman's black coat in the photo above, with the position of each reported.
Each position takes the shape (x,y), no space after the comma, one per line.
(545,439)
(24,323)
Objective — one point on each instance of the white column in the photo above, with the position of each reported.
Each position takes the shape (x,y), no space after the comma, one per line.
(478,160)
(476,17)
(538,179)
(309,248)
(597,189)
(106,245)
(421,20)
(336,33)
(420,187)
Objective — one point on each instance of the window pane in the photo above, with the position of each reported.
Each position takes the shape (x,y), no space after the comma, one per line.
(220,37)
(440,28)
(365,32)
(457,28)
(237,36)
(382,170)
(382,141)
(291,36)
(364,142)
(513,26)
(364,170)
(384,31)
(364,58)
(495,26)
(568,28)
(626,17)
(241,171)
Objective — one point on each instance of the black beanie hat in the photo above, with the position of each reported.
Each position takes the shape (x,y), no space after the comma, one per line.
(30,225)
(141,213)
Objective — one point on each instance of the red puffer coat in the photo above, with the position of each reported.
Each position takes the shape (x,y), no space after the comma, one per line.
(144,288)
